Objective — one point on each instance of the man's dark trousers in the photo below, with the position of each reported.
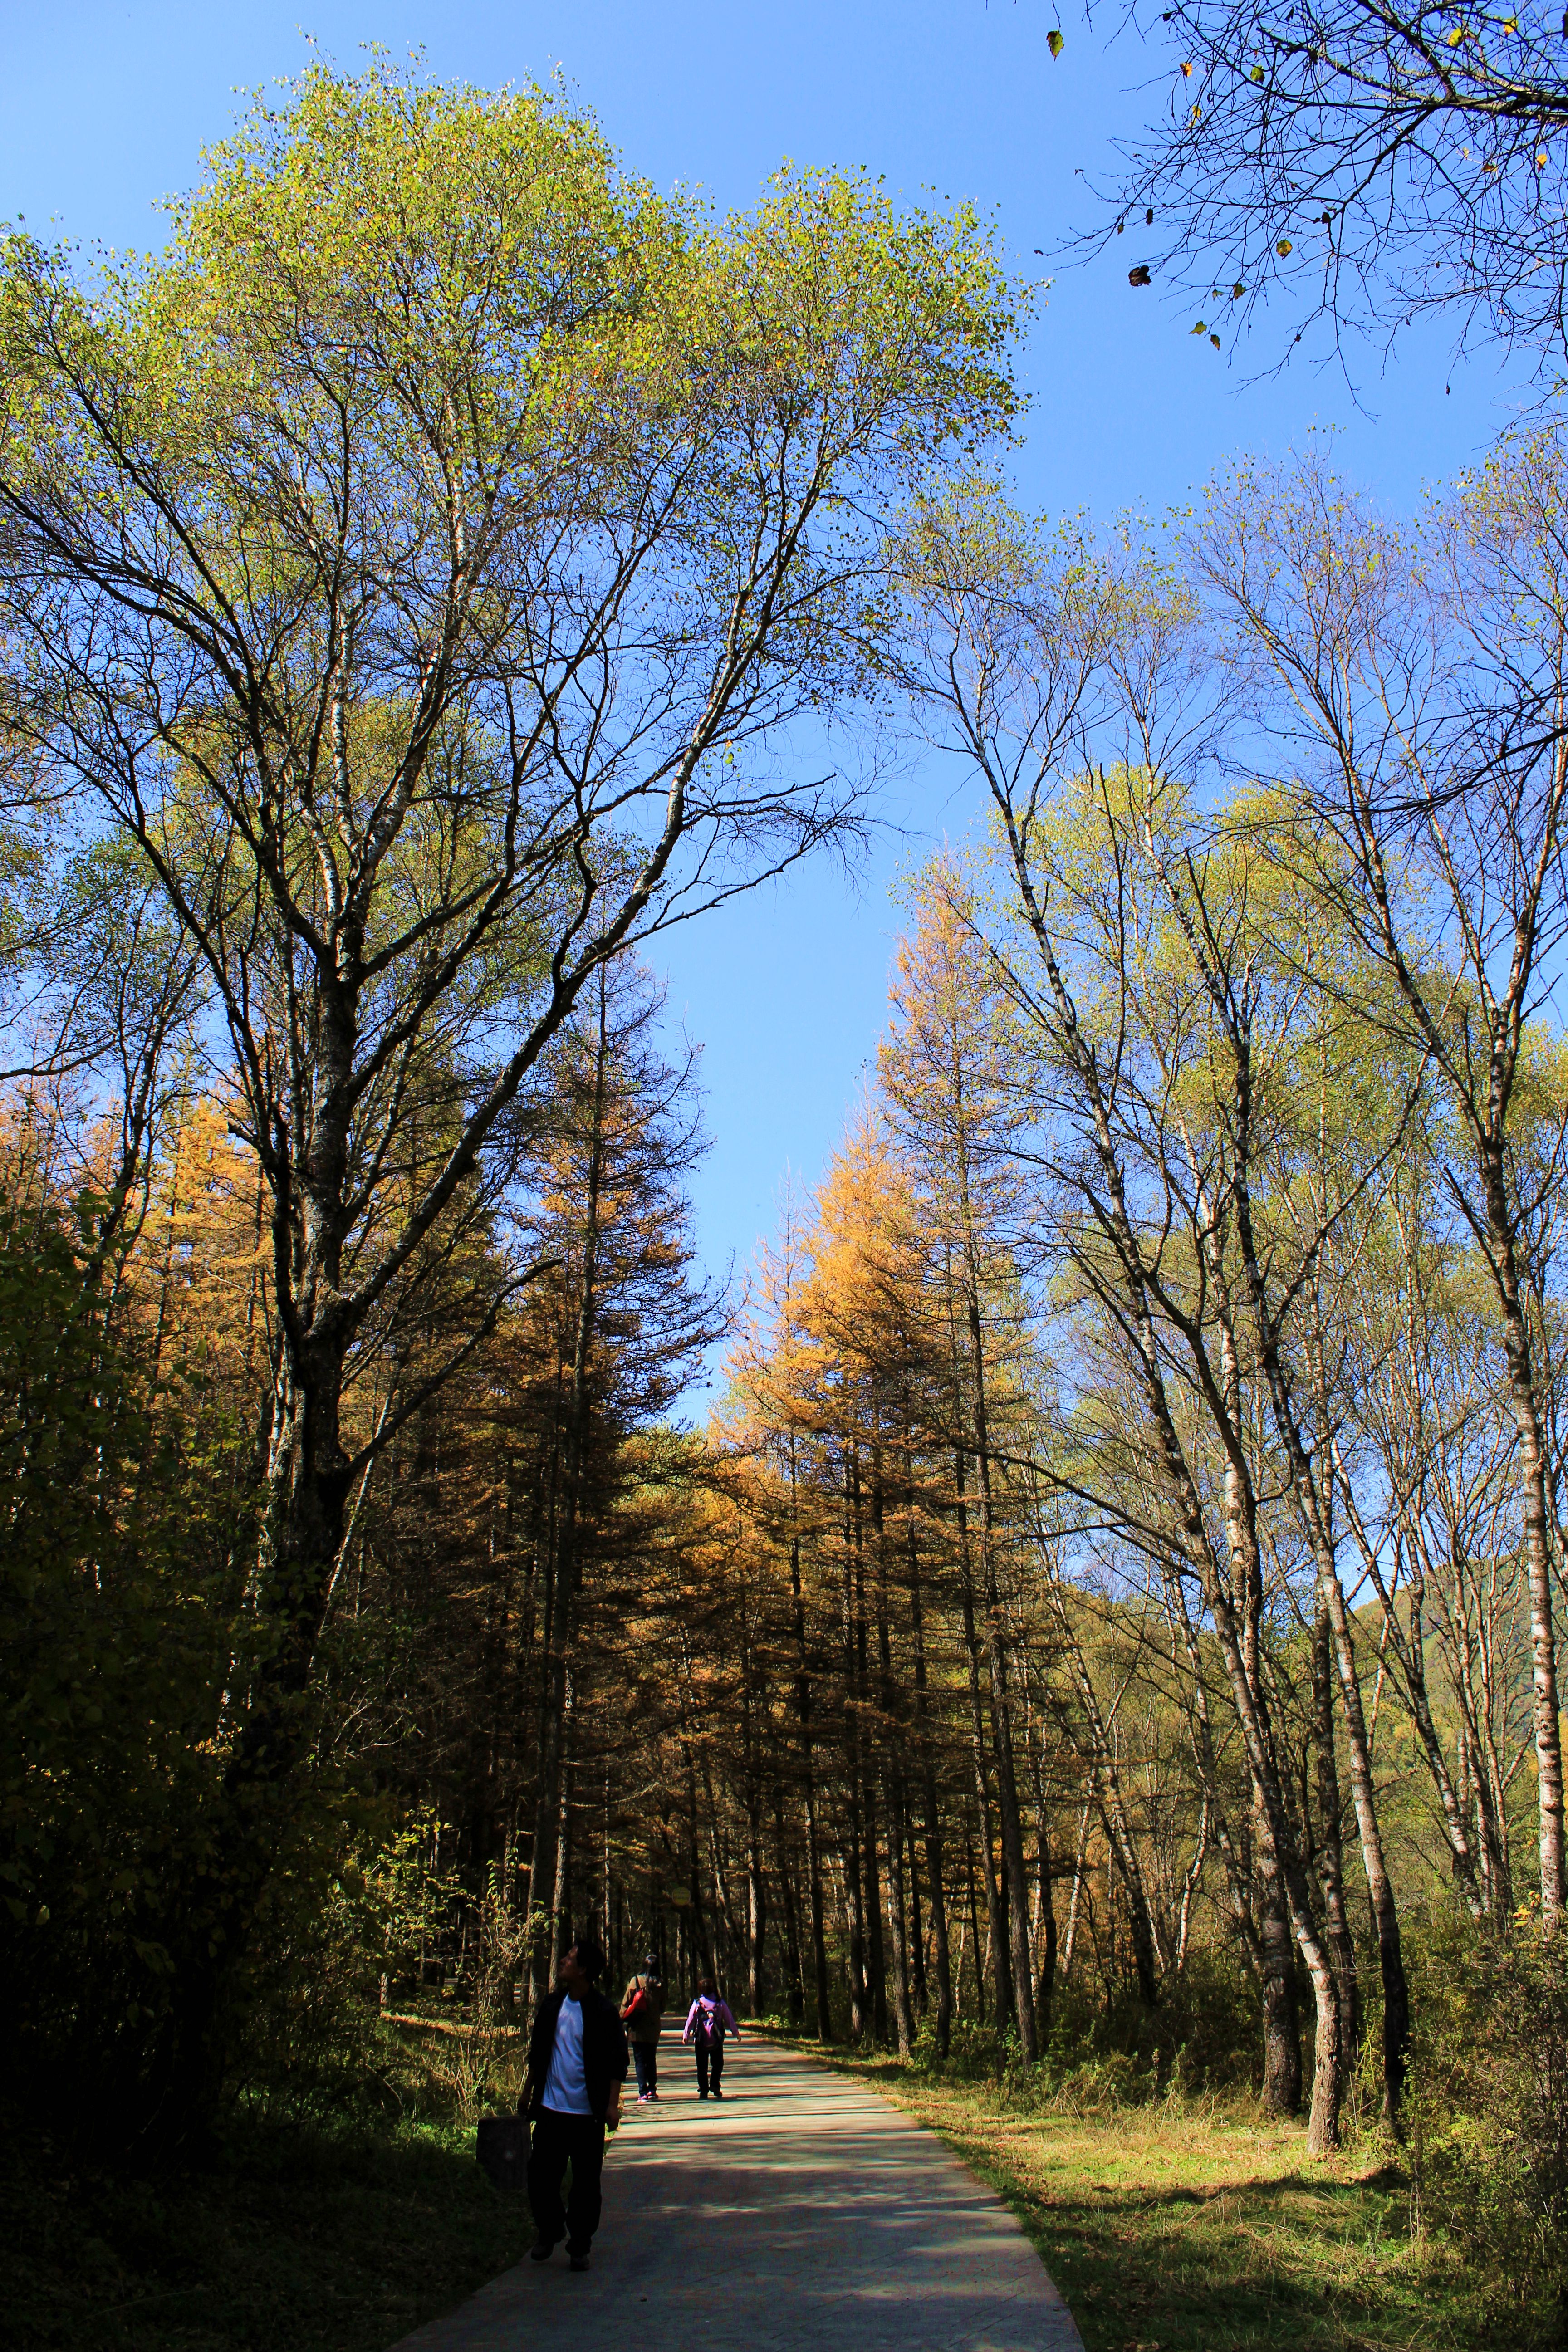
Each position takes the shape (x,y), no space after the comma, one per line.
(709,2063)
(556,2139)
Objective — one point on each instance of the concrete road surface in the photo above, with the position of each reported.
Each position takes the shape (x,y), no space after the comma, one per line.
(803,2211)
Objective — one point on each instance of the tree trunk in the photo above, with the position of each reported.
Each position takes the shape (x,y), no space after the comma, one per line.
(996,1941)
(1146,1956)
(1380,1886)
(919,1984)
(1316,1512)
(876,1954)
(1282,2013)
(893,1794)
(1330,1856)
(974,1926)
(1537,1554)
(941,1959)
(803,1723)
(550,1832)
(756,1916)
(1014,1870)
(854,1897)
(795,1980)
(897,1830)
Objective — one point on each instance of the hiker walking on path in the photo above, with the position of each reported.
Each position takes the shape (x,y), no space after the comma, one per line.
(642,2014)
(572,2095)
(706,2022)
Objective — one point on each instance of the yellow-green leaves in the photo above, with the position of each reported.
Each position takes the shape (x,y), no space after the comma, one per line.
(383,244)
(434,427)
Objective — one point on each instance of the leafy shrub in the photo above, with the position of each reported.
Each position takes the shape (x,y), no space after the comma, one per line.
(478,2064)
(349,1909)
(121,1624)
(1490,2139)
(975,2052)
(111,1658)
(1203,2030)
(1105,2053)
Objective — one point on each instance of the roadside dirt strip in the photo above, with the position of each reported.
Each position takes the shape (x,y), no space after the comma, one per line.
(802,2214)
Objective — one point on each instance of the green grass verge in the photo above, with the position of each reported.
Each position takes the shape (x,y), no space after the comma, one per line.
(1194,2227)
(292,2242)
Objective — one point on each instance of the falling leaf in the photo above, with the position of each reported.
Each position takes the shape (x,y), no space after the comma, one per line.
(1215,341)
(1187,69)
(1455,36)
(1258,73)
(1202,328)
(1055,43)
(1541,157)
(1284,248)
(1238,290)
(1139,276)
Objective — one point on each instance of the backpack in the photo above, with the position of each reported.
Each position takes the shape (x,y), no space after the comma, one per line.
(644,2010)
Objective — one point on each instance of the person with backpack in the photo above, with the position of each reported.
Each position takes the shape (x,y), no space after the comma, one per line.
(706,2022)
(642,2014)
(572,2095)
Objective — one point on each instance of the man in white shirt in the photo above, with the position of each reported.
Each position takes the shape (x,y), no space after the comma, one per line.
(577,2062)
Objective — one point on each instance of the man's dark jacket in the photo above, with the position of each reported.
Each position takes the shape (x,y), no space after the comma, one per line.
(605,2053)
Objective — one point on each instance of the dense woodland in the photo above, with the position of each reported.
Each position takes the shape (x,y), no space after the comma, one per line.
(1109,1622)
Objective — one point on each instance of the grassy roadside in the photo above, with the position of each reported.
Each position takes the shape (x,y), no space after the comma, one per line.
(312,2243)
(1200,2228)
(1175,2227)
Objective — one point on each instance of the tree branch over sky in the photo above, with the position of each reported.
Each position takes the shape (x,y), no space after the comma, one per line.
(1355,166)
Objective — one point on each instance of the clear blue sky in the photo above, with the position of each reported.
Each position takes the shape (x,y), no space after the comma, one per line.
(104,107)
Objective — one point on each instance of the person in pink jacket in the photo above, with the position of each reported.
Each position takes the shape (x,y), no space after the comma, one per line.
(706,2022)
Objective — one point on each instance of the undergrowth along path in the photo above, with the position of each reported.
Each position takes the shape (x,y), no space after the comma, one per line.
(1201,2225)
(803,2213)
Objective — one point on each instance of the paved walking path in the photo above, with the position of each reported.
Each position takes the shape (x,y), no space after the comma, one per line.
(802,2214)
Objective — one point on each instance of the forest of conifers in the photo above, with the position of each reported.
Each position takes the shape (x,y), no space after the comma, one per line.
(1109,1617)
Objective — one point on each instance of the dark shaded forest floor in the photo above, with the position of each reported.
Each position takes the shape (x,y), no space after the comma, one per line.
(1193,2227)
(288,2242)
